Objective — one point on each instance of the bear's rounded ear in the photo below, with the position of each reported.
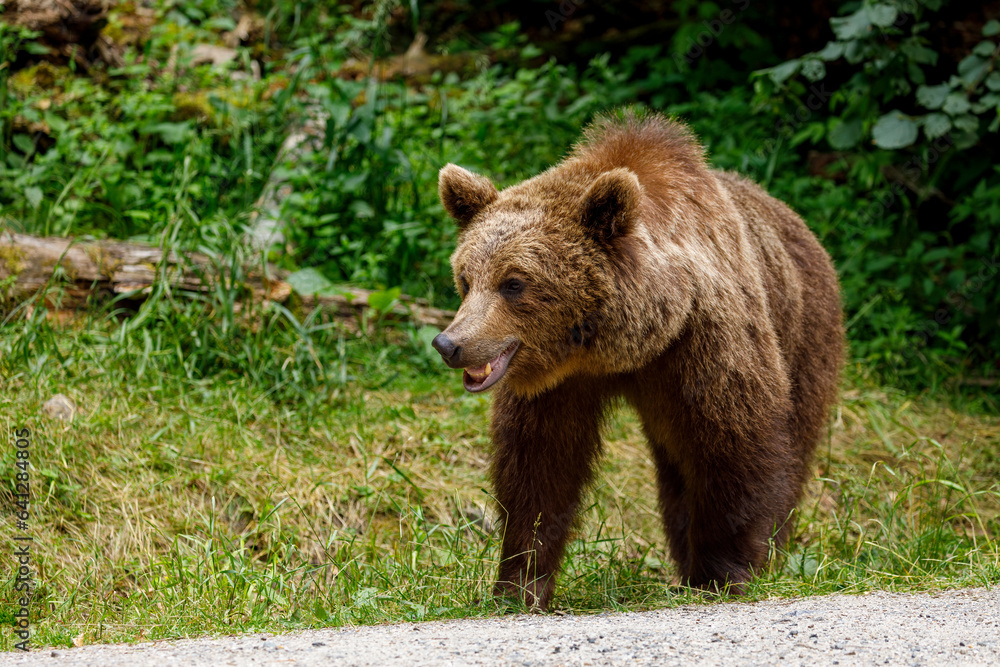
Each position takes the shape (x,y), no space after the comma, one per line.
(463,193)
(611,203)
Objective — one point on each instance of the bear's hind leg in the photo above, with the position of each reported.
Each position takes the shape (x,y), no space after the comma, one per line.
(676,516)
(739,509)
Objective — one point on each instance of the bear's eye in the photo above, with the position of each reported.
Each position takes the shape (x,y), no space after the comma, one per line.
(463,285)
(512,288)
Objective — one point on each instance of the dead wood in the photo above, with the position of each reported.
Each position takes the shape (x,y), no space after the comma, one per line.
(70,274)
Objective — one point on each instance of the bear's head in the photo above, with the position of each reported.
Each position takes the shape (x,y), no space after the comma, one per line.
(533,267)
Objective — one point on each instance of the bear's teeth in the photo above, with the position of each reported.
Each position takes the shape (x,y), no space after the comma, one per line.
(489,369)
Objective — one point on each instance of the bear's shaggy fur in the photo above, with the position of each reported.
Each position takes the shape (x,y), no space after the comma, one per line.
(633,270)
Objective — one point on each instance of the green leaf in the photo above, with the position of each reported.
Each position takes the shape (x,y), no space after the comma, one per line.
(779,73)
(984,49)
(882,15)
(308,282)
(170,133)
(956,103)
(918,53)
(936,125)
(813,69)
(812,132)
(851,27)
(384,300)
(936,254)
(856,51)
(56,123)
(881,263)
(362,209)
(36,49)
(846,134)
(993,81)
(967,123)
(987,102)
(831,51)
(893,131)
(354,182)
(932,97)
(34,196)
(365,596)
(23,143)
(991,28)
(971,68)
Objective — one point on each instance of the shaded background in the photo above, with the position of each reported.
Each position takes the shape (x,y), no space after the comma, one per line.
(877,121)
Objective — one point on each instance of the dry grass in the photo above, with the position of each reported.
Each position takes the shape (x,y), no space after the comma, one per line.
(214,509)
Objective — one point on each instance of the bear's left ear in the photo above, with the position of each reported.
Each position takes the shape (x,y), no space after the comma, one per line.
(610,205)
(463,193)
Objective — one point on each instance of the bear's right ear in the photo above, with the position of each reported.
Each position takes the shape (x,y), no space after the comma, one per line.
(463,193)
(610,205)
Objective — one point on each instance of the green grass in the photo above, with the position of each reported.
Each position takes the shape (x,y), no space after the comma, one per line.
(175,506)
(236,467)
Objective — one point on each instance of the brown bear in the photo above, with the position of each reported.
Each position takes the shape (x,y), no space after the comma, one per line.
(631,269)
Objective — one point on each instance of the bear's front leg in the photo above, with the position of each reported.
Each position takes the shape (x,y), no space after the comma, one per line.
(544,449)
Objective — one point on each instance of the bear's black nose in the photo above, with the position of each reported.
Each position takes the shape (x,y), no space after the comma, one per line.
(450,352)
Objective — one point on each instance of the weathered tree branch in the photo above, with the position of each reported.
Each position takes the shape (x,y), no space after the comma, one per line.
(69,274)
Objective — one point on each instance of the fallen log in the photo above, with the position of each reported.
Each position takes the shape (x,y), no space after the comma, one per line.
(70,274)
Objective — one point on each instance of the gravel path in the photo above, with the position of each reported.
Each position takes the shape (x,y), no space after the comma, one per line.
(948,628)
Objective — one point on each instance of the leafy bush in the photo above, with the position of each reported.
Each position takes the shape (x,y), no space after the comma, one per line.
(916,249)
(883,140)
(106,154)
(365,205)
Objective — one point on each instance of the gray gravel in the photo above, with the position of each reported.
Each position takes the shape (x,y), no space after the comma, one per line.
(948,628)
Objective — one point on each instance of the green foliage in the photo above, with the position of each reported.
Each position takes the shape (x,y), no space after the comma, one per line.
(882,139)
(223,334)
(916,248)
(106,154)
(289,470)
(365,201)
(891,62)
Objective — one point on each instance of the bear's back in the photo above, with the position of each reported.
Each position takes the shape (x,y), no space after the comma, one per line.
(801,283)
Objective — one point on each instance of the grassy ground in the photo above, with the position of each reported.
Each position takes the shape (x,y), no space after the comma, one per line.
(178,507)
(232,469)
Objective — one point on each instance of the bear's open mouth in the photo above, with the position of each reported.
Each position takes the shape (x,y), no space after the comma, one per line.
(487,375)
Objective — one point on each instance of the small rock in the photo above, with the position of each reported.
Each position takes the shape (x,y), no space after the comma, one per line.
(59,407)
(210,53)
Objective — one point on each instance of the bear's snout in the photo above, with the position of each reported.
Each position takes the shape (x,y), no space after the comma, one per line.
(451,353)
